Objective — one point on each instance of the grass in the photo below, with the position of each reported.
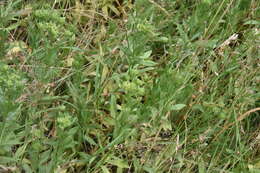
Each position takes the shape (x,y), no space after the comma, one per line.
(120,86)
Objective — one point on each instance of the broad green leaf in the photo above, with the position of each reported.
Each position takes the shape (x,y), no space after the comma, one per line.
(146,55)
(90,140)
(177,107)
(252,22)
(149,63)
(20,151)
(119,163)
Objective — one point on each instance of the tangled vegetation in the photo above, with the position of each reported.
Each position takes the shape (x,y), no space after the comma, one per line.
(129,86)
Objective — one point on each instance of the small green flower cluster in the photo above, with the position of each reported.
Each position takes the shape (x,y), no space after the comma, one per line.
(10,82)
(53,26)
(65,120)
(47,15)
(133,87)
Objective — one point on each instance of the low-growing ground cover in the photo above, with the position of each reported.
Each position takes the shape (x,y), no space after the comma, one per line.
(129,86)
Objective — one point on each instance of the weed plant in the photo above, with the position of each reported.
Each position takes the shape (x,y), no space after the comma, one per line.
(129,86)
